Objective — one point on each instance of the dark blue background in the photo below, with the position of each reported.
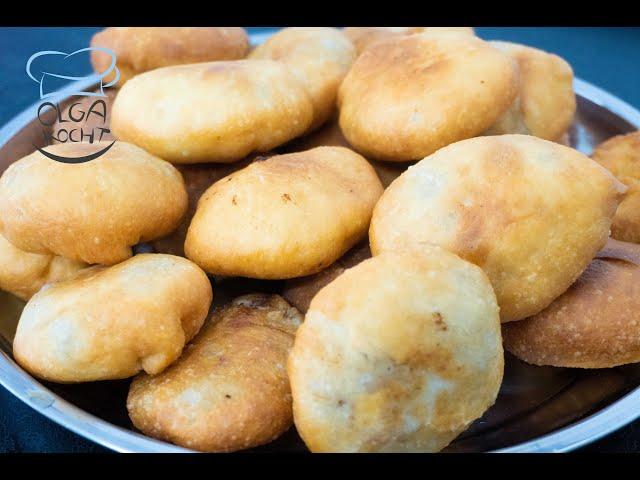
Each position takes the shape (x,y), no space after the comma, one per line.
(606,57)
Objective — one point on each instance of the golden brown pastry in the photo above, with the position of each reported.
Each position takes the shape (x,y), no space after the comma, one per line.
(197,178)
(319,57)
(287,216)
(112,322)
(594,324)
(23,273)
(621,156)
(530,212)
(212,112)
(330,135)
(398,354)
(407,97)
(363,37)
(93,211)
(546,102)
(300,291)
(229,390)
(139,49)
(95,115)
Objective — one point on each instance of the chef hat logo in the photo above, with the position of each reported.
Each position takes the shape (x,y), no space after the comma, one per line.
(51,69)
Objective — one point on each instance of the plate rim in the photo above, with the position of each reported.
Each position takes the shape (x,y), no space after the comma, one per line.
(64,413)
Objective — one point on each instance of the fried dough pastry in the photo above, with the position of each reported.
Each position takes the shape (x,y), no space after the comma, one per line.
(363,37)
(212,112)
(288,216)
(546,102)
(530,212)
(398,354)
(407,97)
(139,49)
(229,390)
(594,324)
(621,156)
(23,273)
(319,57)
(94,211)
(112,322)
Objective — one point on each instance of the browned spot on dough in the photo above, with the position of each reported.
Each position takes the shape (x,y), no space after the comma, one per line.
(234,200)
(438,319)
(286,197)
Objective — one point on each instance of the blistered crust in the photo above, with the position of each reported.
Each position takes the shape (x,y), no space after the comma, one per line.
(398,354)
(531,213)
(212,112)
(229,390)
(139,49)
(284,217)
(112,322)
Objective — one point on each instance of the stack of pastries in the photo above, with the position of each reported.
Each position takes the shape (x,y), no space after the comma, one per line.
(410,190)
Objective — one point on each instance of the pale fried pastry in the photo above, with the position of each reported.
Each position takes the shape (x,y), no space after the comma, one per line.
(212,112)
(112,322)
(621,156)
(319,57)
(546,102)
(139,49)
(93,211)
(594,324)
(398,354)
(363,37)
(407,97)
(288,216)
(229,390)
(530,212)
(23,273)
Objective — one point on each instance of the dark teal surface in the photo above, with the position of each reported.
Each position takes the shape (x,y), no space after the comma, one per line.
(606,57)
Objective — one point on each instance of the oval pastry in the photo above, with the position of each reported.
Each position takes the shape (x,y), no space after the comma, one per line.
(621,156)
(229,390)
(531,213)
(594,324)
(112,322)
(546,102)
(23,273)
(287,216)
(212,112)
(398,354)
(94,211)
(407,97)
(139,49)
(319,57)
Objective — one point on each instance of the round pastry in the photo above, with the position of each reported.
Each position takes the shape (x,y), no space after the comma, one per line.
(93,211)
(23,273)
(319,57)
(112,322)
(621,156)
(530,212)
(363,37)
(197,178)
(594,324)
(546,102)
(330,135)
(139,49)
(398,354)
(85,119)
(300,291)
(229,390)
(407,97)
(212,112)
(287,216)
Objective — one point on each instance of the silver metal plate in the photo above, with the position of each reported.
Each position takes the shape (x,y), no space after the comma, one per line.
(539,409)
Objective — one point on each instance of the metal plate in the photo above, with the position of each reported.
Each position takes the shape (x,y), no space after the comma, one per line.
(539,409)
